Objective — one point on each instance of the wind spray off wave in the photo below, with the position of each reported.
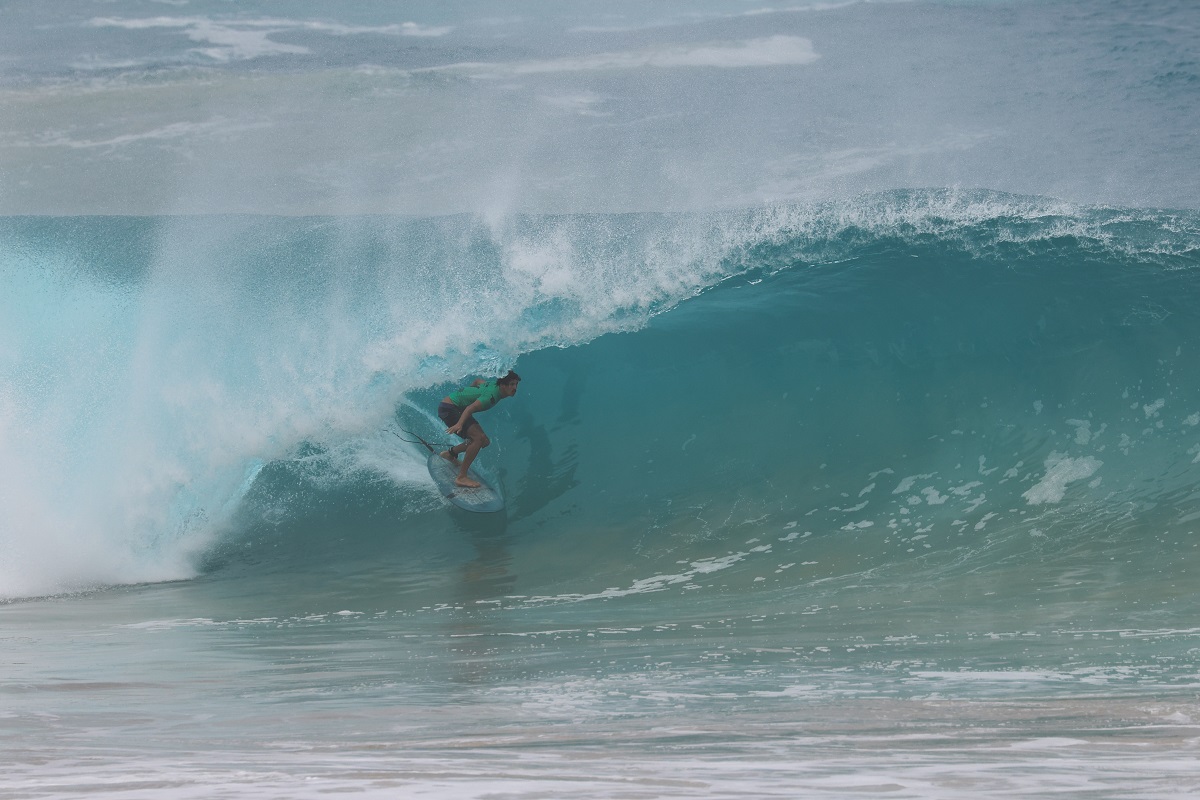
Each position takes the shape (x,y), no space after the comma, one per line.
(157,364)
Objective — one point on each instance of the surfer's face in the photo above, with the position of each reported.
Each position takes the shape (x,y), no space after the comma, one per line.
(508,389)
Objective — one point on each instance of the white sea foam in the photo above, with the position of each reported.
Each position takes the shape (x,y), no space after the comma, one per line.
(655,583)
(765,52)
(771,51)
(217,128)
(933,497)
(907,483)
(1060,472)
(227,42)
(245,39)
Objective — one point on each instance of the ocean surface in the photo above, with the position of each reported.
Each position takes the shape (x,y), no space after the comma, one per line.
(857,451)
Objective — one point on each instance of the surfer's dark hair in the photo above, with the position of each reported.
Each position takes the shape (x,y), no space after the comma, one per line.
(511,377)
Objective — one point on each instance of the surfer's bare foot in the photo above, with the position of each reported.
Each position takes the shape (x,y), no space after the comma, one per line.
(467,483)
(446,454)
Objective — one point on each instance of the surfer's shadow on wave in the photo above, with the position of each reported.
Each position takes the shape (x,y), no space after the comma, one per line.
(546,477)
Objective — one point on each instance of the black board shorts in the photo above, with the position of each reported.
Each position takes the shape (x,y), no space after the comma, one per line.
(451,414)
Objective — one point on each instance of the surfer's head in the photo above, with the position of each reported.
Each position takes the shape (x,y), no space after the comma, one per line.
(508,384)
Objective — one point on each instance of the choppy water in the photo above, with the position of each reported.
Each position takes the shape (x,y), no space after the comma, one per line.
(820,481)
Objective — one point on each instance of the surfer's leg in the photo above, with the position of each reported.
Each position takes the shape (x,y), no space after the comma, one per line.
(450,415)
(477,440)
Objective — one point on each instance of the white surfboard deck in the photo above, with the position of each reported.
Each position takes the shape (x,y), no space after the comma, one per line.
(485,499)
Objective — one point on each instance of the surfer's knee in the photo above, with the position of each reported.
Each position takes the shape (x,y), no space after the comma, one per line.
(484,441)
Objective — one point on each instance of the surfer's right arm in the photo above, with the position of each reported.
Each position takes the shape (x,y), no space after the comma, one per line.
(466,417)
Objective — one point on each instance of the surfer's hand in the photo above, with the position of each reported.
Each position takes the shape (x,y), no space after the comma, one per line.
(452,429)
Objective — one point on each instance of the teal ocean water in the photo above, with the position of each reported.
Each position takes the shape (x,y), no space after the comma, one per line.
(857,450)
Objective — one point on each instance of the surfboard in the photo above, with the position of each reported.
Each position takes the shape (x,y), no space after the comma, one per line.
(485,499)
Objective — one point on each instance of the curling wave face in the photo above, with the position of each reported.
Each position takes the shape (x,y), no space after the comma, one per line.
(926,380)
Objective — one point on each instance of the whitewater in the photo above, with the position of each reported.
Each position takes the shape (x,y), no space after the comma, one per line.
(857,450)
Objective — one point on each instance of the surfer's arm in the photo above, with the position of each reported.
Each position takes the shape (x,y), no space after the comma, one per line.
(466,417)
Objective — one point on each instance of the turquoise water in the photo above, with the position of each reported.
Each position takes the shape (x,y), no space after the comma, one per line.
(821,482)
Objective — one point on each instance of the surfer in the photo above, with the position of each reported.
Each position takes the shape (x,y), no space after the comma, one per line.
(458,410)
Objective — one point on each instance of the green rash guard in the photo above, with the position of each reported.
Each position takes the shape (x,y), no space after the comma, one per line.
(487,395)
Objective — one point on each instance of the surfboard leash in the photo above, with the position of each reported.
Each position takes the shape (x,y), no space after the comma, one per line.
(419,440)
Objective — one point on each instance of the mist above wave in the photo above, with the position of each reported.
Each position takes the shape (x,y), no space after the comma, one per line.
(565,108)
